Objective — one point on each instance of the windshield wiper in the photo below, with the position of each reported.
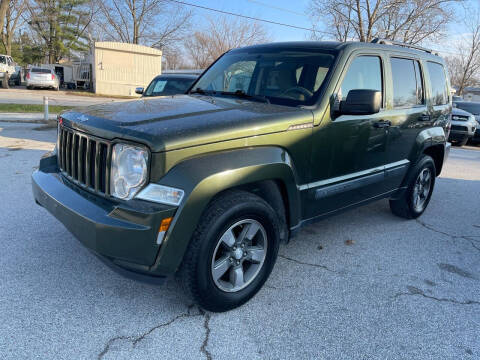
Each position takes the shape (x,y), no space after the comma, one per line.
(242,94)
(202,91)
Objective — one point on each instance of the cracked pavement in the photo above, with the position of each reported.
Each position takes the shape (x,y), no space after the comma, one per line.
(361,285)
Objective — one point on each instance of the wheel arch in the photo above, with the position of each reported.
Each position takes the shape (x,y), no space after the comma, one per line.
(266,171)
(430,142)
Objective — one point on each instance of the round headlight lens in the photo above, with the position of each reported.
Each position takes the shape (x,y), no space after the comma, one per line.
(129,170)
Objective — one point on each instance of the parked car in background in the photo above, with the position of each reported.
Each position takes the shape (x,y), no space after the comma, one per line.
(463,127)
(16,77)
(269,139)
(7,68)
(457,98)
(474,109)
(42,78)
(168,84)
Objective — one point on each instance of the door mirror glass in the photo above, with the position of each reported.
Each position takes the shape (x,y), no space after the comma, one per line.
(139,90)
(361,102)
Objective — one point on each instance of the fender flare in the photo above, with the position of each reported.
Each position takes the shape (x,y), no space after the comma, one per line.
(202,178)
(434,136)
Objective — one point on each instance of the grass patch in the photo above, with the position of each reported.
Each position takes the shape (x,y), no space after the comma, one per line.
(32,108)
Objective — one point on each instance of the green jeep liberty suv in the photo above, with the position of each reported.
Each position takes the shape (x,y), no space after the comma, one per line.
(270,138)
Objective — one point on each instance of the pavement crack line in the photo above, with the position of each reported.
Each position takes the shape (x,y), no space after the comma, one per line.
(206,326)
(451,236)
(305,263)
(134,340)
(413,291)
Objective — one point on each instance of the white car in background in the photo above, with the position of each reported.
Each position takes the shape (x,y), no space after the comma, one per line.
(42,78)
(7,68)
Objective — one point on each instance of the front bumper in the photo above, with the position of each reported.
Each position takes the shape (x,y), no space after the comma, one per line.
(122,233)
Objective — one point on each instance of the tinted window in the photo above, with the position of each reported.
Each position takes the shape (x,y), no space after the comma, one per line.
(407,82)
(41,71)
(283,77)
(365,72)
(3,60)
(438,83)
(419,76)
(168,86)
(472,108)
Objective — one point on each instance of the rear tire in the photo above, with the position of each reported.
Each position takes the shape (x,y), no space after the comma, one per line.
(232,251)
(420,184)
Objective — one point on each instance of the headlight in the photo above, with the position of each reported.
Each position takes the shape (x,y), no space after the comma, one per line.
(129,170)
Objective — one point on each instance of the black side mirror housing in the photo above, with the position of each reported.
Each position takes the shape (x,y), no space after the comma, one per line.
(139,90)
(361,102)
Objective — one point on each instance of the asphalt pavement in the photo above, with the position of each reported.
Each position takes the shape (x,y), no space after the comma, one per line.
(362,285)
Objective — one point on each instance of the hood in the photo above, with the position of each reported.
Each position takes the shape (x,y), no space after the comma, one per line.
(460,112)
(174,122)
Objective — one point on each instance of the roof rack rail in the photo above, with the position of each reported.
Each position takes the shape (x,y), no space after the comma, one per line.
(398,43)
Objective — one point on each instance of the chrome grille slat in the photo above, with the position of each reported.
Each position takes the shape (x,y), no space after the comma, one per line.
(88,181)
(84,159)
(98,148)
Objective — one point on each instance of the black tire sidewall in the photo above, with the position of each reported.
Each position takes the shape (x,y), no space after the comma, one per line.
(205,284)
(425,162)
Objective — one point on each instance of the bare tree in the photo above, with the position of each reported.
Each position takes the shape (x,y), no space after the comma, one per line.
(155,23)
(464,68)
(13,20)
(3,12)
(220,35)
(409,21)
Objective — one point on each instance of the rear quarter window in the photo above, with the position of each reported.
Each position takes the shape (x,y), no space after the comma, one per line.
(407,82)
(438,83)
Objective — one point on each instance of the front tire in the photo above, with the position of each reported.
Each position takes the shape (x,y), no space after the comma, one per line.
(420,184)
(232,251)
(460,142)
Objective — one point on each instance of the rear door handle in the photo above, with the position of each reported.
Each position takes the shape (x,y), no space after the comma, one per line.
(382,124)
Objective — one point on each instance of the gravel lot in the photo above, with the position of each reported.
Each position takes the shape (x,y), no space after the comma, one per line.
(362,285)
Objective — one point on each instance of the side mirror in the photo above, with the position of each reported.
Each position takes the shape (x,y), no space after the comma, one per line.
(139,90)
(361,102)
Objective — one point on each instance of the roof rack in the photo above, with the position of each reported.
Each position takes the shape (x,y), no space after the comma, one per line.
(398,43)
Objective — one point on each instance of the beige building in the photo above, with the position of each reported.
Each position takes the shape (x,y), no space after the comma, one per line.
(118,68)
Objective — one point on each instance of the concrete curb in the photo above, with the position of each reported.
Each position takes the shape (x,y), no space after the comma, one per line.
(37,118)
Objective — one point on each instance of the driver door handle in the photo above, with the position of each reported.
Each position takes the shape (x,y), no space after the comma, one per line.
(382,124)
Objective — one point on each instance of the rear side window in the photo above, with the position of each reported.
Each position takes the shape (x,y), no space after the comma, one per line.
(407,82)
(438,83)
(365,72)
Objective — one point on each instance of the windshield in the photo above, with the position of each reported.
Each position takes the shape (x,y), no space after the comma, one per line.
(472,108)
(168,86)
(282,77)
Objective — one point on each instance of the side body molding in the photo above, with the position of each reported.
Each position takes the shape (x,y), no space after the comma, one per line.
(203,177)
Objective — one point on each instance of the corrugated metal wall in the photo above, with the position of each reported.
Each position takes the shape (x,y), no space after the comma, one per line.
(120,68)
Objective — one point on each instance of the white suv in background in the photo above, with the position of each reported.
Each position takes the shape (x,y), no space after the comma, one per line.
(7,68)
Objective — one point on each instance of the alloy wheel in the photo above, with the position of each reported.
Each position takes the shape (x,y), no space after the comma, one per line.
(239,255)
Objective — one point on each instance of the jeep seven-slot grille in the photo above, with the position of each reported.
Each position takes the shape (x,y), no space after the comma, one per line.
(85,159)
